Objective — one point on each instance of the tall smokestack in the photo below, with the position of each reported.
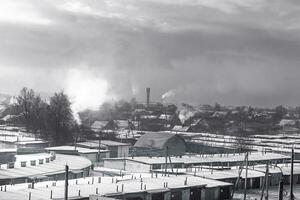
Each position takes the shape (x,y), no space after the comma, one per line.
(148,96)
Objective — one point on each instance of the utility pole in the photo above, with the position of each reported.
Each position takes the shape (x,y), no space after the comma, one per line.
(267,181)
(99,146)
(166,160)
(263,186)
(239,176)
(124,162)
(246,176)
(75,145)
(66,182)
(292,175)
(280,190)
(171,164)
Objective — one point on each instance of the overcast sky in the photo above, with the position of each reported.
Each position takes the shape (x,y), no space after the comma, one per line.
(243,52)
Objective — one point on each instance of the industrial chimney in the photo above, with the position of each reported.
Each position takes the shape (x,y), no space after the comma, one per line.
(148,96)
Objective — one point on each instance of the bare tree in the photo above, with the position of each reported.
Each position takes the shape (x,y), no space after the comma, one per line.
(25,103)
(61,118)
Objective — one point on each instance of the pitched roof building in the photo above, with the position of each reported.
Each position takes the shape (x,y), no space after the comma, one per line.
(159,141)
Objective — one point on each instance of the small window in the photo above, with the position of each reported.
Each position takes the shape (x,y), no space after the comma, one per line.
(156,166)
(23,164)
(47,160)
(41,161)
(11,165)
(32,163)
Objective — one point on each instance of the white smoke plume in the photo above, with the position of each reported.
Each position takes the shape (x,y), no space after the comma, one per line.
(185,112)
(168,94)
(185,115)
(86,91)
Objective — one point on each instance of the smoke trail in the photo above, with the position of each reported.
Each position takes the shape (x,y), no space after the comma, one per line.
(168,94)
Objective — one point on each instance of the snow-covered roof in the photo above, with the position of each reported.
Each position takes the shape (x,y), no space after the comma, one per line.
(287,122)
(72,148)
(155,140)
(109,143)
(165,117)
(57,166)
(180,128)
(108,186)
(204,159)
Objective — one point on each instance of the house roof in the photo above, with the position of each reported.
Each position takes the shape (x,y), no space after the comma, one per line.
(180,128)
(155,140)
(166,117)
(99,124)
(91,144)
(122,123)
(109,143)
(206,158)
(55,167)
(108,186)
(72,148)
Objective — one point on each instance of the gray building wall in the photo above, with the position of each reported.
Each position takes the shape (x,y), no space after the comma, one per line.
(176,146)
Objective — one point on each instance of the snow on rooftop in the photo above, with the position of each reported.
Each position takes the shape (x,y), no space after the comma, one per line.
(8,150)
(73,148)
(215,174)
(56,166)
(108,185)
(109,143)
(209,158)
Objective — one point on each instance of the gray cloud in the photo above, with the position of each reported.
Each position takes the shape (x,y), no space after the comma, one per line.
(233,52)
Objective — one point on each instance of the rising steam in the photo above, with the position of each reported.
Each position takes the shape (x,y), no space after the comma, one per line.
(86,90)
(185,112)
(168,94)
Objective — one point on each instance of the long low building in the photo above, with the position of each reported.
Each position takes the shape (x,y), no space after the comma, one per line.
(117,149)
(147,164)
(281,171)
(42,167)
(255,176)
(92,154)
(130,187)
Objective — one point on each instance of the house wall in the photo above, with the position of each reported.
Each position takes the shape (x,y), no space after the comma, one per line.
(135,196)
(167,196)
(274,179)
(132,166)
(225,192)
(113,151)
(211,194)
(91,156)
(53,177)
(186,194)
(176,146)
(114,164)
(35,145)
(123,151)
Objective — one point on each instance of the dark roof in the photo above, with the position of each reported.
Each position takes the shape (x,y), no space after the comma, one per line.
(155,140)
